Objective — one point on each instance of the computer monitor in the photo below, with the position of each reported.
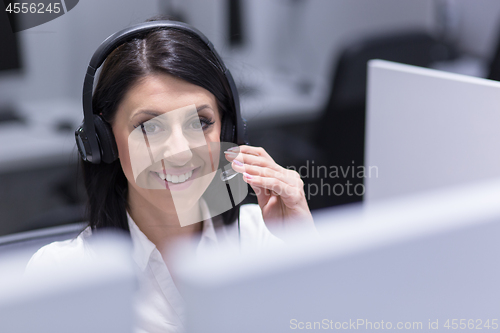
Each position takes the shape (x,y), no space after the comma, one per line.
(428,129)
(10,61)
(421,263)
(9,44)
(82,295)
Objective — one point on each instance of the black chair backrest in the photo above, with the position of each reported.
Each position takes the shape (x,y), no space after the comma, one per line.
(494,69)
(413,48)
(27,243)
(341,128)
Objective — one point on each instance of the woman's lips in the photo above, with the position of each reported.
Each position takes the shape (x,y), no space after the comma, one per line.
(179,181)
(175,177)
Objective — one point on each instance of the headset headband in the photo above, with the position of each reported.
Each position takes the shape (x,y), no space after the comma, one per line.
(125,35)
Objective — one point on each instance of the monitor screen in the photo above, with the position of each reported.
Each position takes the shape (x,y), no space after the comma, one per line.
(9,44)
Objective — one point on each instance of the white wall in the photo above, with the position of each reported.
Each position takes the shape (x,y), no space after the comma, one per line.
(302,37)
(56,54)
(326,25)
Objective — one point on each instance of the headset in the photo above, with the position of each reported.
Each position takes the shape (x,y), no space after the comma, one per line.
(94,138)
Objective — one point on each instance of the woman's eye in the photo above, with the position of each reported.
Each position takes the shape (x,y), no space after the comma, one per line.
(200,124)
(151,128)
(196,125)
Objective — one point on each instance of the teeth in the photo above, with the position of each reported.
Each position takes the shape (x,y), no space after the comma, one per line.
(176,178)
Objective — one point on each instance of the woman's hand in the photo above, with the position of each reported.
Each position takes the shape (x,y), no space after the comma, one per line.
(280,192)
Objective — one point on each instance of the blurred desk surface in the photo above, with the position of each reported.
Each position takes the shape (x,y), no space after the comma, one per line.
(45,137)
(274,98)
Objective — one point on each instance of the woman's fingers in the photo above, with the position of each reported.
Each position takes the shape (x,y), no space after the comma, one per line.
(253,156)
(249,159)
(259,170)
(291,195)
(280,191)
(250,150)
(255,161)
(284,175)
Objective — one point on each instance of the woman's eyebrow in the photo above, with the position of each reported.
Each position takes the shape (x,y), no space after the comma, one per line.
(147,112)
(157,113)
(202,107)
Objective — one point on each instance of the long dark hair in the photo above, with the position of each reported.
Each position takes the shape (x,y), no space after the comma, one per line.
(168,51)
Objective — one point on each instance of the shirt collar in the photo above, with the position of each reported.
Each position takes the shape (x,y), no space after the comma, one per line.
(143,247)
(208,231)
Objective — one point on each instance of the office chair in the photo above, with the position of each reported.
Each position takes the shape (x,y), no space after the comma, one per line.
(40,236)
(57,216)
(494,67)
(25,244)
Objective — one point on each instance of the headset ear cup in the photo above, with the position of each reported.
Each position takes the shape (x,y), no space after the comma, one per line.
(106,140)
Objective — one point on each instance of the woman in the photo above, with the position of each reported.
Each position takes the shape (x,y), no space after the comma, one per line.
(166,92)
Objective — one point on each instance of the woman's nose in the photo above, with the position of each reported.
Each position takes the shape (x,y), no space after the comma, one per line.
(178,151)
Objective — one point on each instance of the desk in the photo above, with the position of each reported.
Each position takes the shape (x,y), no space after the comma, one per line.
(37,142)
(38,163)
(272,98)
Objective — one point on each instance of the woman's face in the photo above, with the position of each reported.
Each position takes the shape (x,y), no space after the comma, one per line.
(167,132)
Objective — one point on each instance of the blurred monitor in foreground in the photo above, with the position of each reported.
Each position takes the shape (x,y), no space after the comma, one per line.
(423,263)
(84,295)
(427,129)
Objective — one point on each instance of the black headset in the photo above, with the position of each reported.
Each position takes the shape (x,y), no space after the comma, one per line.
(94,137)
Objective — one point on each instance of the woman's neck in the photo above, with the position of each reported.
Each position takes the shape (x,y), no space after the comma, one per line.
(163,226)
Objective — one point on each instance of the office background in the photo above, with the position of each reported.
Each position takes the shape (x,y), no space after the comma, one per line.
(283,54)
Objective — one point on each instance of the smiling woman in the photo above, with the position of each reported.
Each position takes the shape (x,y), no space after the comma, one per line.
(173,139)
(164,110)
(164,70)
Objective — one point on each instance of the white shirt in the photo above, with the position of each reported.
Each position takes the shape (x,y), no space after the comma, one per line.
(159,304)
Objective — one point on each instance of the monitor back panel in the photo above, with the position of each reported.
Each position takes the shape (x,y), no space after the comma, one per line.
(428,129)
(425,263)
